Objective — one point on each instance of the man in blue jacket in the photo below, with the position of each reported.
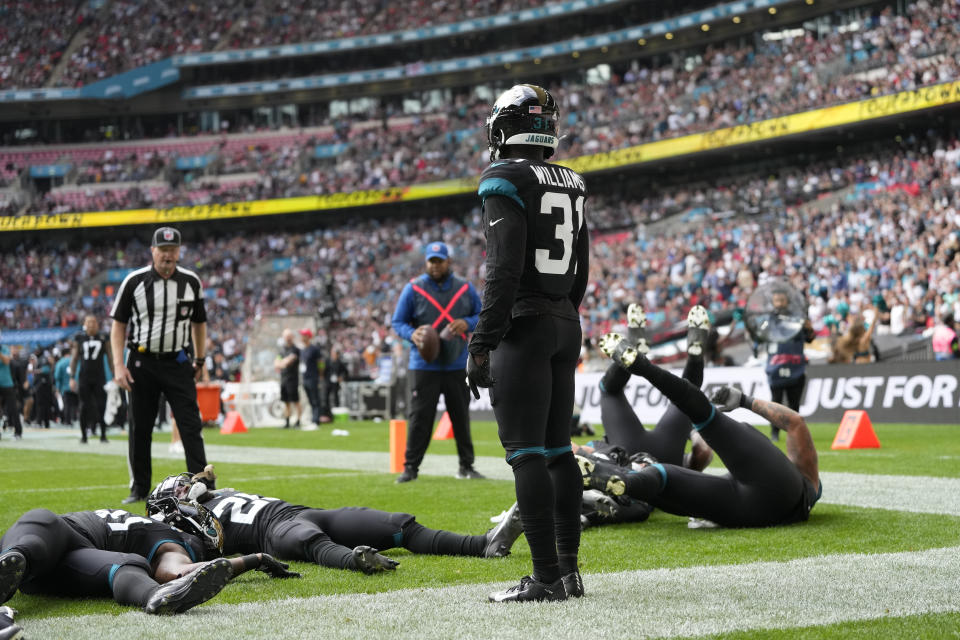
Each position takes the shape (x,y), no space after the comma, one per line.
(450,305)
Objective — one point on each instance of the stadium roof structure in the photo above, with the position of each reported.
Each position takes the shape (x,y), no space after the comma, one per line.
(176,74)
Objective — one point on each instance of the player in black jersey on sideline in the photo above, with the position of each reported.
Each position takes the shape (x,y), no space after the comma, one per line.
(527,342)
(345,538)
(763,487)
(113,553)
(89,371)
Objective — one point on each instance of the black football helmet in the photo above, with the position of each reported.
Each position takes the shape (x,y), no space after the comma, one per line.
(191,517)
(177,486)
(523,114)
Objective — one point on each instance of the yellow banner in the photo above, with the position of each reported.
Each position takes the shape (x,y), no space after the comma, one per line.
(237,209)
(827,117)
(805,122)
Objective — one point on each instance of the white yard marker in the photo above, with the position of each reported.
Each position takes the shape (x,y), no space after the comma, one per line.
(663,603)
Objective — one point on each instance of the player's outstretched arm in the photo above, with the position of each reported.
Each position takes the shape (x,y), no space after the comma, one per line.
(800,447)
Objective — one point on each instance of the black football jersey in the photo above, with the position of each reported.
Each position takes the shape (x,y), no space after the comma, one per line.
(552,200)
(92,354)
(119,530)
(246,518)
(537,209)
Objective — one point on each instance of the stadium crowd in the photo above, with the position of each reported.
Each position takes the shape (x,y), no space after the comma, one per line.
(878,234)
(724,85)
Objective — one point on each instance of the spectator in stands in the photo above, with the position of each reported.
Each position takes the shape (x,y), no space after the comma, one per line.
(855,345)
(945,342)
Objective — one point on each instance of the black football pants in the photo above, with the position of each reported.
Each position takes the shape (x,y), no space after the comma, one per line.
(665,442)
(11,409)
(425,389)
(532,398)
(93,400)
(175,380)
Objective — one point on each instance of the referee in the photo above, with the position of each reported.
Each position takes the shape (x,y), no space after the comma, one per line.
(163,304)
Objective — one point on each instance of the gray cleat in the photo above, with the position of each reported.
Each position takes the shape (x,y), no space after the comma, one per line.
(501,537)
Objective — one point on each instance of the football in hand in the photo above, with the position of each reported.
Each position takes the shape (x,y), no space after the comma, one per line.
(427,341)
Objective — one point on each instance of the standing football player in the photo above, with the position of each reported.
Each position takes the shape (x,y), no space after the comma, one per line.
(90,370)
(527,341)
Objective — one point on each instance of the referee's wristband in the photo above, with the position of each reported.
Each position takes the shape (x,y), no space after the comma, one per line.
(746,401)
(199,360)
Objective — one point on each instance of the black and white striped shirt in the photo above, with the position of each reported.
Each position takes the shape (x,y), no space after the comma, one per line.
(159,311)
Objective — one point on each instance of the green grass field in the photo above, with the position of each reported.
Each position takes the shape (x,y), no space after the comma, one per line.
(652,579)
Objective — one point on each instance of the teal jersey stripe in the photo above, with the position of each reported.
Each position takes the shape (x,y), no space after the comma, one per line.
(499,187)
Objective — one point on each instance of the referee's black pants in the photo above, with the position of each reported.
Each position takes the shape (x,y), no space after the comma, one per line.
(425,389)
(151,377)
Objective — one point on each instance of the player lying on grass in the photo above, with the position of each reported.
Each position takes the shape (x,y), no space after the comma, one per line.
(667,440)
(763,487)
(114,553)
(626,440)
(346,538)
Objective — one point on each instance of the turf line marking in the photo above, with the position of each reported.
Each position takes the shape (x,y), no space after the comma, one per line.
(916,494)
(240,481)
(661,603)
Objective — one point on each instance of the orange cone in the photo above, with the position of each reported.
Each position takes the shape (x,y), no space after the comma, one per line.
(233,423)
(855,432)
(444,428)
(398,445)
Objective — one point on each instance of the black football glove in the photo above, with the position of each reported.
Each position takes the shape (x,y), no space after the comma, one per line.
(730,398)
(274,568)
(478,373)
(369,561)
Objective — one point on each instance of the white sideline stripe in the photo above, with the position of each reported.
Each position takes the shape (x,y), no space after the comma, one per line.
(660,603)
(240,482)
(915,494)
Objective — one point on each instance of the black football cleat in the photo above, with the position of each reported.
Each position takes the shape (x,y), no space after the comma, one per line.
(13,565)
(9,630)
(368,560)
(601,475)
(469,473)
(188,591)
(573,584)
(501,538)
(530,590)
(698,330)
(406,476)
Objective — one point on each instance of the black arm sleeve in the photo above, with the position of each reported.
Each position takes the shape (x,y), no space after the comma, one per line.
(506,230)
(583,267)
